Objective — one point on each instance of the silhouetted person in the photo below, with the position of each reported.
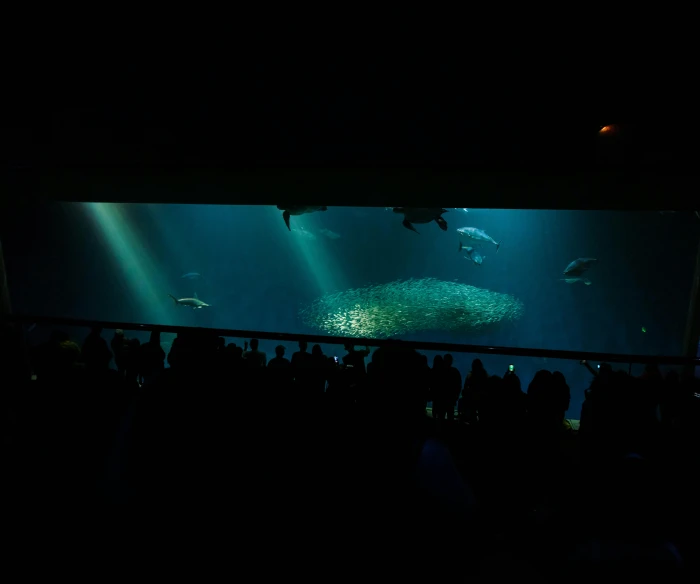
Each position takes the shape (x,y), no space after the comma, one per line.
(425,378)
(610,418)
(436,374)
(449,384)
(512,404)
(319,370)
(549,439)
(652,373)
(671,399)
(279,378)
(587,365)
(95,351)
(338,381)
(67,364)
(473,392)
(356,359)
(15,369)
(398,384)
(237,355)
(46,354)
(302,355)
(604,368)
(104,386)
(548,398)
(491,404)
(132,363)
(152,357)
(119,348)
(234,357)
(301,369)
(279,361)
(646,405)
(173,353)
(254,358)
(354,371)
(561,396)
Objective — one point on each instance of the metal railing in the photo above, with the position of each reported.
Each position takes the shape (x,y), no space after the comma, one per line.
(322,339)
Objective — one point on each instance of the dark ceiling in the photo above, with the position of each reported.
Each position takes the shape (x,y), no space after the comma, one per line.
(364,135)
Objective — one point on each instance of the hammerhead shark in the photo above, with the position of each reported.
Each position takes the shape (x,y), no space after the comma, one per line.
(193,302)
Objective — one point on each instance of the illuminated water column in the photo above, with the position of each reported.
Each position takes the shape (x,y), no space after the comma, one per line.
(692,325)
(141,275)
(4,290)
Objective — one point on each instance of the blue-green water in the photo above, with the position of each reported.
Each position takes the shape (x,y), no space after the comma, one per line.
(119,262)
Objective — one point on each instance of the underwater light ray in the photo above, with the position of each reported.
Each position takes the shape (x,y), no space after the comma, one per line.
(175,242)
(312,247)
(131,258)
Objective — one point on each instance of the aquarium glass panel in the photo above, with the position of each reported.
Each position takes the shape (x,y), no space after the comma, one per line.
(479,276)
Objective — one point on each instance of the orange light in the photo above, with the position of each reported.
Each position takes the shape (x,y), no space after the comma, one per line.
(607,130)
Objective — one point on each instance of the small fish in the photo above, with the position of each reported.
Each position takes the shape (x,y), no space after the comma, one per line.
(304,233)
(191,276)
(586,281)
(472,254)
(479,235)
(579,266)
(329,234)
(193,302)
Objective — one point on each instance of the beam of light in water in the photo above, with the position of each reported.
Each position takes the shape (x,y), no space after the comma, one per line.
(235,231)
(177,245)
(312,246)
(171,226)
(140,273)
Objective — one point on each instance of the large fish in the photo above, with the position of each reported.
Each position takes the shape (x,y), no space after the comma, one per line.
(297,210)
(413,215)
(304,233)
(478,235)
(193,302)
(586,281)
(579,266)
(192,276)
(471,254)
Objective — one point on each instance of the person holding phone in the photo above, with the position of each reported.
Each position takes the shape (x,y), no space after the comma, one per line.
(602,367)
(356,359)
(254,358)
(587,365)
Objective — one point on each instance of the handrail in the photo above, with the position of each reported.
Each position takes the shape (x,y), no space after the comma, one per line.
(418,345)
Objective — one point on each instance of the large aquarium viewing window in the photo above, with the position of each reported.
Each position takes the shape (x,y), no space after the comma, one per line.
(478,276)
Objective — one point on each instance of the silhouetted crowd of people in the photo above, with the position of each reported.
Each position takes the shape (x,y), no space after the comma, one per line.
(374,458)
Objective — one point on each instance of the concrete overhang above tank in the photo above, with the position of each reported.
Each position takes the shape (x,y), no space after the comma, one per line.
(466,163)
(348,185)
